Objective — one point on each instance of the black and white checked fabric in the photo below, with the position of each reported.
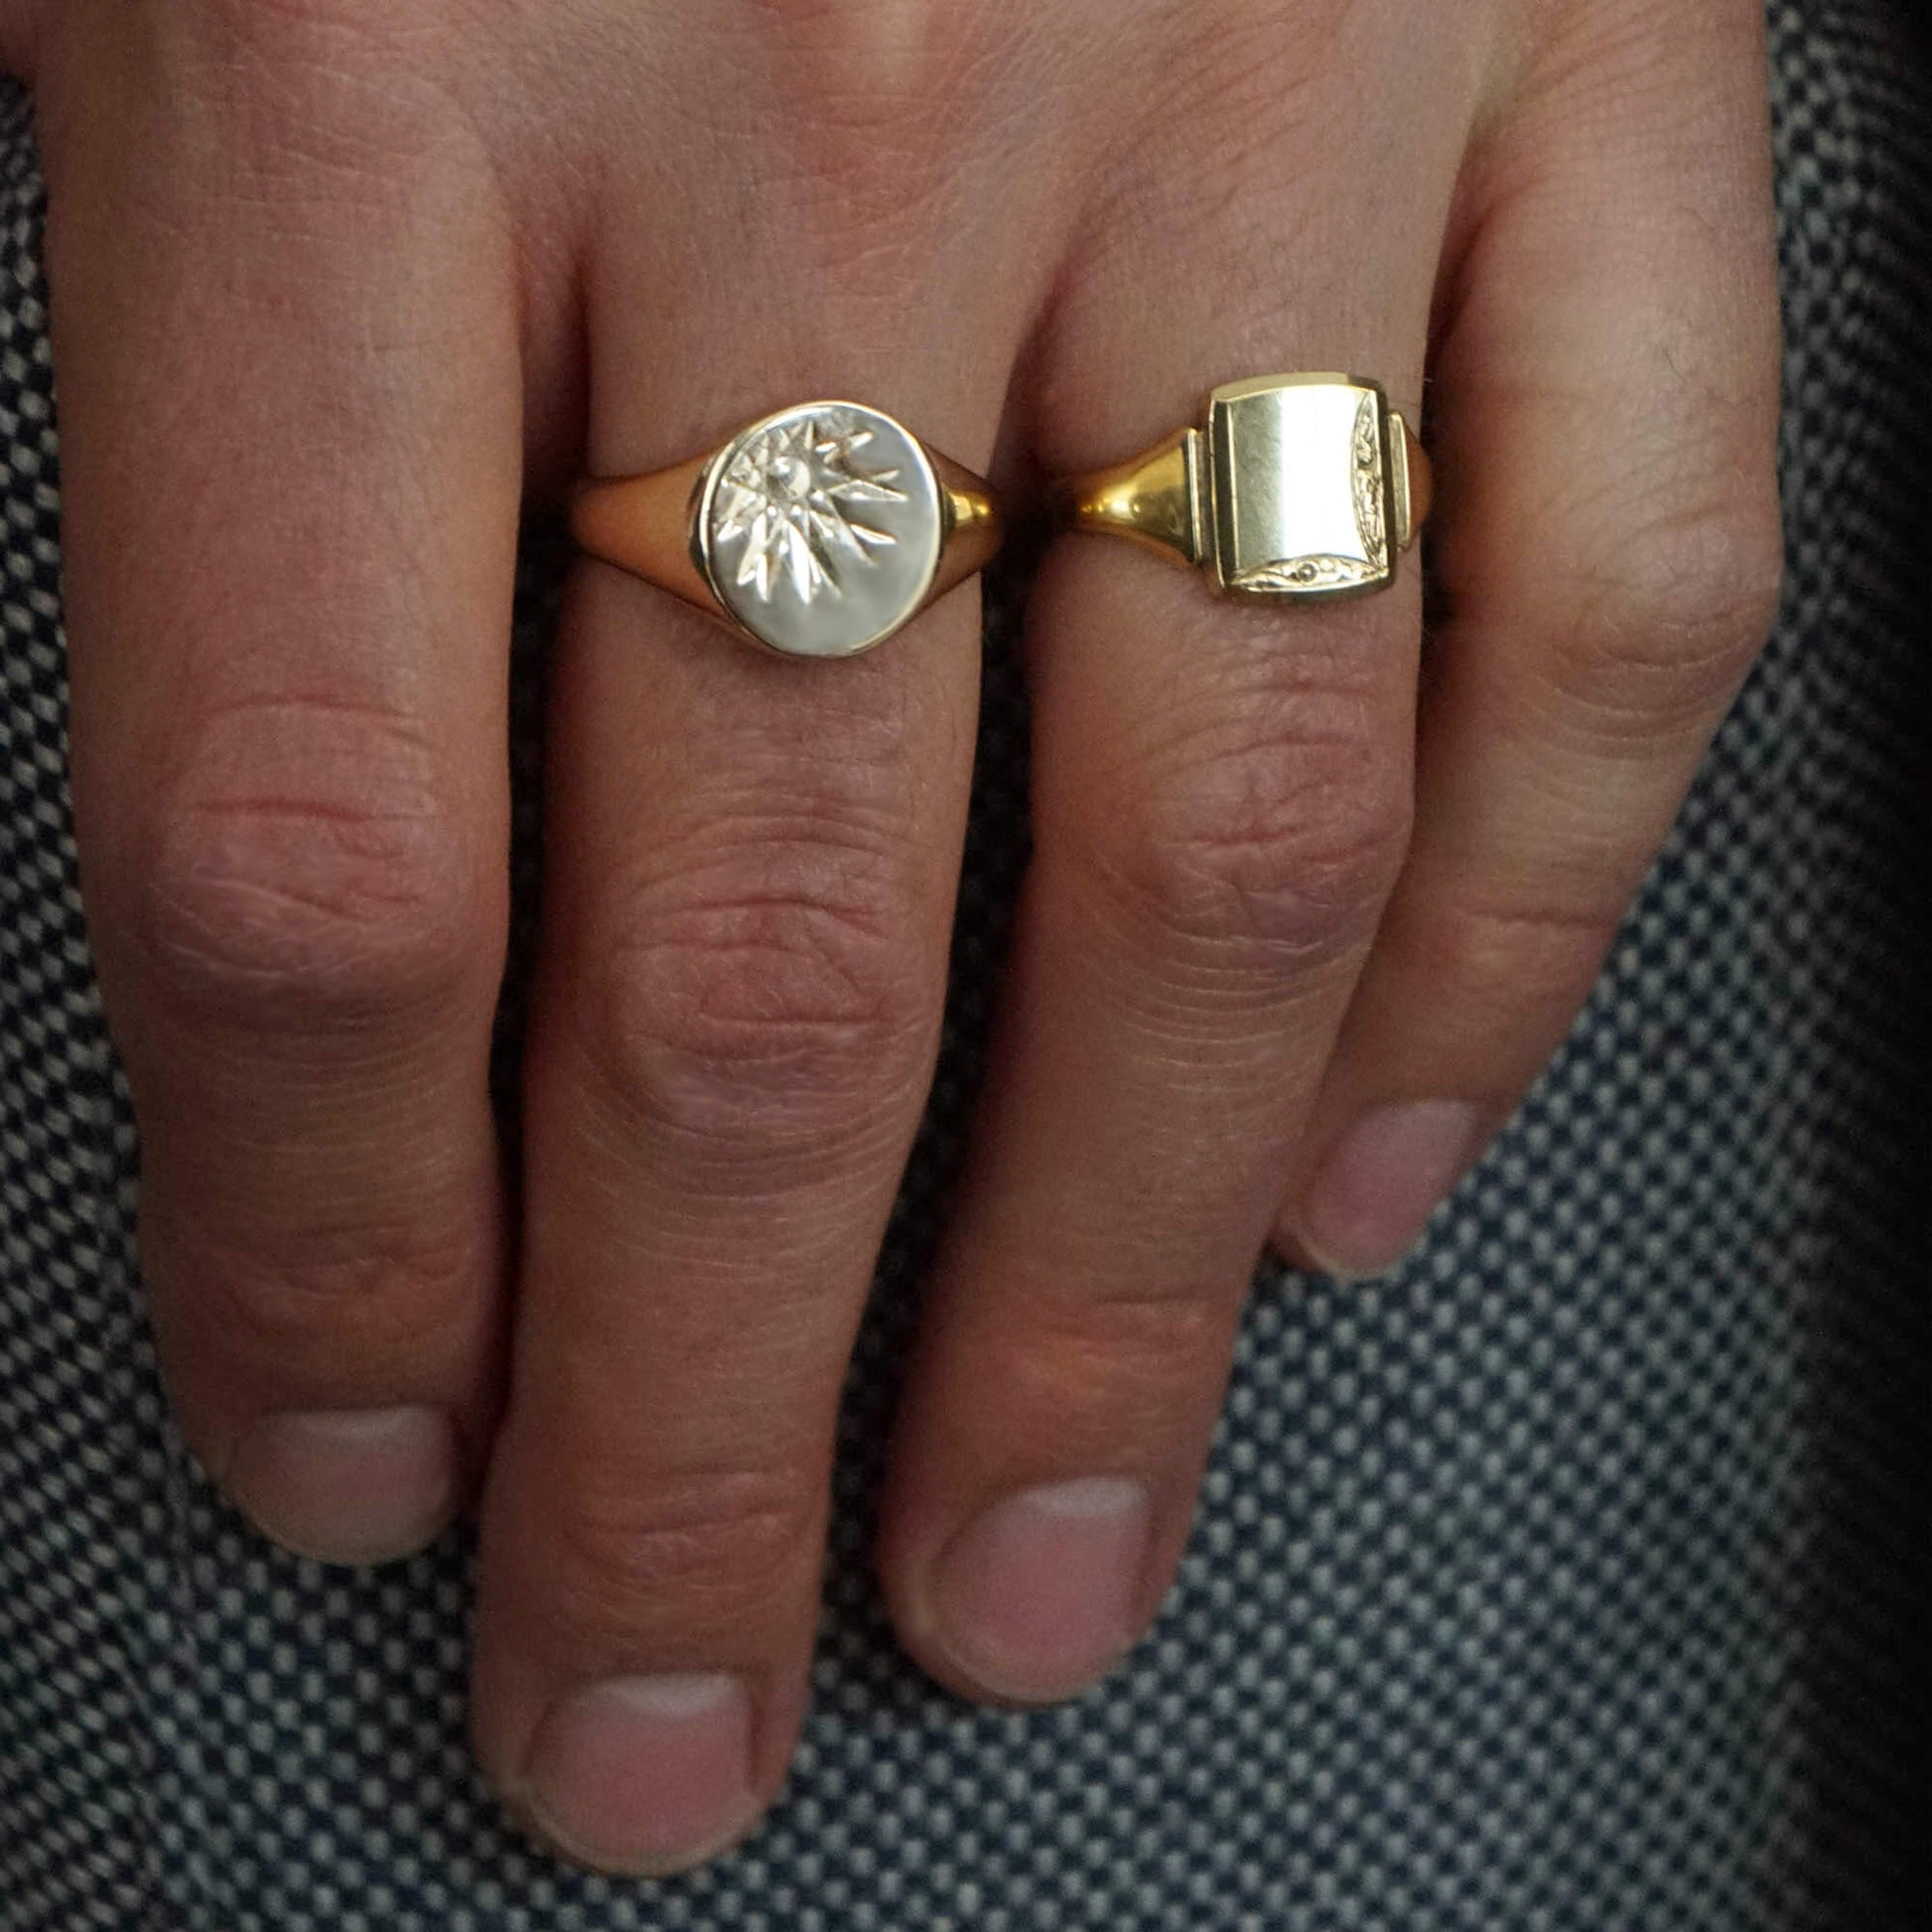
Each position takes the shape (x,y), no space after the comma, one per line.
(1576,1579)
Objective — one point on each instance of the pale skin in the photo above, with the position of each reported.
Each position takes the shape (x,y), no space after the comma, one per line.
(340,286)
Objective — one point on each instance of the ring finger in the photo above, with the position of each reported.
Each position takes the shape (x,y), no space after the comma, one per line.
(1220,805)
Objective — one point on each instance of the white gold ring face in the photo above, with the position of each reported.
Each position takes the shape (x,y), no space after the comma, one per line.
(820,528)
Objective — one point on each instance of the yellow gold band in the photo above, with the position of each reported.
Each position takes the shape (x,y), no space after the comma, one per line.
(1296,485)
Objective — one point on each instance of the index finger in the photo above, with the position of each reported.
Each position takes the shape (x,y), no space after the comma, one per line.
(290,417)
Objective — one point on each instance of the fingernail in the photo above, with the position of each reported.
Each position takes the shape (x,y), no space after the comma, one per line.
(353,1486)
(644,1775)
(1373,1196)
(1038,1595)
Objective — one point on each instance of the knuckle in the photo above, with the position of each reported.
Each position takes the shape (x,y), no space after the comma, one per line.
(1105,1362)
(347,895)
(1669,625)
(853,66)
(1279,831)
(881,105)
(320,98)
(1254,97)
(851,47)
(305,27)
(720,1543)
(1128,1347)
(1509,965)
(776,992)
(327,1306)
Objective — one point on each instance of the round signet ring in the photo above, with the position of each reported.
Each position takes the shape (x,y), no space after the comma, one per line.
(1296,485)
(816,531)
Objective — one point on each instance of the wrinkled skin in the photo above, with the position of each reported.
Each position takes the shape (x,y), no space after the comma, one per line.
(339,285)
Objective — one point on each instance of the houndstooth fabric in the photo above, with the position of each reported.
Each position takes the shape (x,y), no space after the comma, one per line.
(1571,1579)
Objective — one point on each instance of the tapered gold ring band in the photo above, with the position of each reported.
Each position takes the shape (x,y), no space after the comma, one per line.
(818,531)
(1294,485)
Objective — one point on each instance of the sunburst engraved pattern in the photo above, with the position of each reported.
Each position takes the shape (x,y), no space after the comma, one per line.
(794,497)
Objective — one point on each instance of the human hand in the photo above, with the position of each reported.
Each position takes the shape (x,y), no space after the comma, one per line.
(338,283)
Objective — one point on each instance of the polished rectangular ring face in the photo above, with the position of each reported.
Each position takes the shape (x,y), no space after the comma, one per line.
(1299,486)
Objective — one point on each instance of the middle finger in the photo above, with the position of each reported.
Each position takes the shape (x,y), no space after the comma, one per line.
(746,931)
